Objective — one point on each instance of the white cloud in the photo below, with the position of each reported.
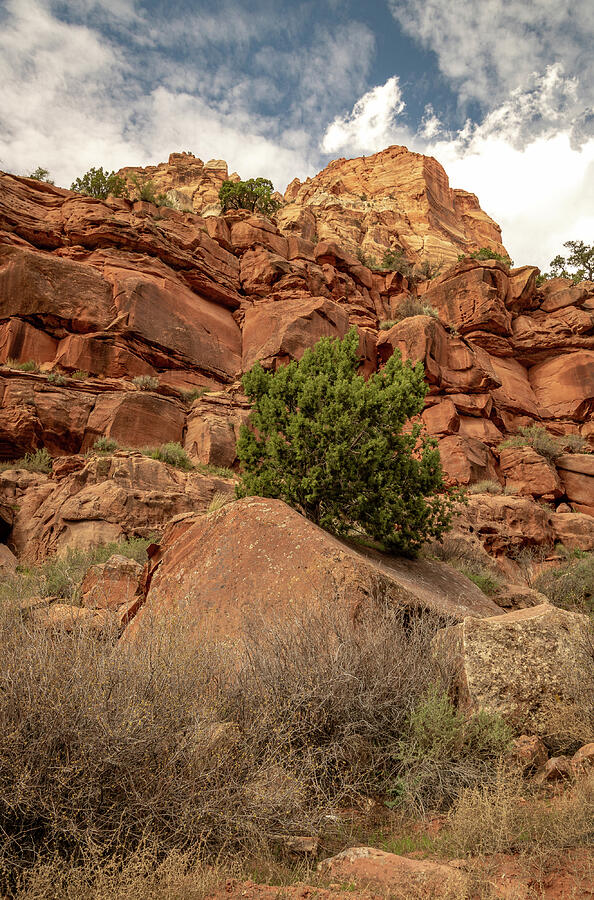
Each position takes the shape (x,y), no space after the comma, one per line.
(541,194)
(487,48)
(71,99)
(371,125)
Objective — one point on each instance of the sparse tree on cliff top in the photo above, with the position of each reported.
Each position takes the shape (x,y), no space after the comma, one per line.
(333,445)
(581,259)
(254,195)
(97,183)
(41,174)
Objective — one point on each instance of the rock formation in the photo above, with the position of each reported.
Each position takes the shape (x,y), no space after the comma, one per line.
(259,558)
(125,321)
(533,666)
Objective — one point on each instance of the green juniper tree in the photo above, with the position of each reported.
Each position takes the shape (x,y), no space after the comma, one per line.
(334,446)
(41,174)
(581,259)
(254,195)
(98,183)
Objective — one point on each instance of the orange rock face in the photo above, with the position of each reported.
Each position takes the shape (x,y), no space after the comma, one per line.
(115,315)
(260,558)
(394,198)
(193,184)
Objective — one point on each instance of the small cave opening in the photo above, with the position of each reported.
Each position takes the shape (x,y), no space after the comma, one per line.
(5,529)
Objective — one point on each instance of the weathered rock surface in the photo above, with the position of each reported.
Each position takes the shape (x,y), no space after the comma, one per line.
(394,198)
(259,557)
(527,472)
(110,584)
(102,499)
(525,665)
(194,183)
(505,524)
(577,474)
(96,293)
(368,867)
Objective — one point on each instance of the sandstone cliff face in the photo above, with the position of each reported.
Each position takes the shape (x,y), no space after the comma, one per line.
(140,322)
(394,199)
(194,184)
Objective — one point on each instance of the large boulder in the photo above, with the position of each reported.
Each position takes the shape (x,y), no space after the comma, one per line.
(259,557)
(163,312)
(36,414)
(564,385)
(574,530)
(451,363)
(110,584)
(466,460)
(472,296)
(526,665)
(527,472)
(505,524)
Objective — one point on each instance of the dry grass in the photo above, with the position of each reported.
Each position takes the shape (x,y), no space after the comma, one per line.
(505,816)
(144,876)
(215,751)
(38,461)
(219,500)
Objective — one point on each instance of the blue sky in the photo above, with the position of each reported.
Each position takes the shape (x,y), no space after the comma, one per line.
(500,91)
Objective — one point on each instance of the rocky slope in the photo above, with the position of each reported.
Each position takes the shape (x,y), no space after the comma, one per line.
(122,320)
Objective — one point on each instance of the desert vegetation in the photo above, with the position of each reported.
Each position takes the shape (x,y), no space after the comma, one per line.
(143,764)
(254,195)
(488,253)
(333,445)
(577,265)
(547,445)
(409,307)
(41,174)
(100,184)
(36,461)
(61,575)
(107,751)
(146,382)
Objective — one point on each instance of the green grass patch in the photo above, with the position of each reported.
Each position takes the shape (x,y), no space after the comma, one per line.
(171,453)
(62,575)
(38,461)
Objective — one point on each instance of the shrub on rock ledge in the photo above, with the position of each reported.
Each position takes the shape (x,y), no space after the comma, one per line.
(334,446)
(254,195)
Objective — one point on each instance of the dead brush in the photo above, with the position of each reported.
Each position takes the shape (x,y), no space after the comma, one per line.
(191,747)
(513,818)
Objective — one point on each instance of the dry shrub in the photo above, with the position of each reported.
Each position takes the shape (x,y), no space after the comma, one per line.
(569,726)
(504,817)
(570,585)
(143,876)
(186,746)
(62,574)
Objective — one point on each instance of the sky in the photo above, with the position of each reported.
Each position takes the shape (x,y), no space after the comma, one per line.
(501,92)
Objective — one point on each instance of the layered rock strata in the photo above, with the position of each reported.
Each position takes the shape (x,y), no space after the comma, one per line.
(122,320)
